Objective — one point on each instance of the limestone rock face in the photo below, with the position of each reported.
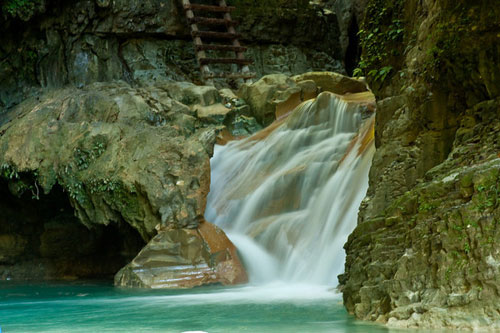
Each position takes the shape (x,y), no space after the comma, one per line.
(184,258)
(425,251)
(120,153)
(51,44)
(291,60)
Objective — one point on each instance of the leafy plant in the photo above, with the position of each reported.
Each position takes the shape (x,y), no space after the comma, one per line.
(380,38)
(83,157)
(19,7)
(103,185)
(8,172)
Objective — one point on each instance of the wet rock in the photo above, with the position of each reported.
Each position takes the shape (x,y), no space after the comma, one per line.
(84,41)
(213,113)
(155,16)
(242,126)
(274,95)
(184,258)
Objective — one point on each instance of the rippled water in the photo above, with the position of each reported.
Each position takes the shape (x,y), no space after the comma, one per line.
(103,308)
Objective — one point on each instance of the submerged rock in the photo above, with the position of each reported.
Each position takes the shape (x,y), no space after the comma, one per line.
(184,258)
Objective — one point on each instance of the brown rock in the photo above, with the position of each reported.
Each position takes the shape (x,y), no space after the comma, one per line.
(184,258)
(333,82)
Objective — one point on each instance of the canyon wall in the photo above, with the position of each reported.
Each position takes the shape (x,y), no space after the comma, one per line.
(425,251)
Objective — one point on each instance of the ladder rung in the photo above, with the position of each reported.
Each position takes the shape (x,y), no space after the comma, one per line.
(214,34)
(206,61)
(227,75)
(220,47)
(213,21)
(208,8)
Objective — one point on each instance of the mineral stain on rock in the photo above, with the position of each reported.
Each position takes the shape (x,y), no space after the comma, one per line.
(184,258)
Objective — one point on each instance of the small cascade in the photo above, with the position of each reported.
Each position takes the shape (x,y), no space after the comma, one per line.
(288,196)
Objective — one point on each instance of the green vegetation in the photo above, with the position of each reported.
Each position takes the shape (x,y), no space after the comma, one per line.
(426,207)
(20,8)
(381,39)
(20,183)
(8,172)
(103,185)
(446,50)
(84,157)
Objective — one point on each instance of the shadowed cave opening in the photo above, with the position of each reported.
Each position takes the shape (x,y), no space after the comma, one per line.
(353,51)
(41,239)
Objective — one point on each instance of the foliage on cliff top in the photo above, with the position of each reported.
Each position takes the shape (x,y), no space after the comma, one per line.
(454,47)
(23,9)
(381,38)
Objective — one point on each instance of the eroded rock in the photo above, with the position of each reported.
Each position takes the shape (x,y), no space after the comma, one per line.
(333,82)
(123,154)
(425,253)
(184,258)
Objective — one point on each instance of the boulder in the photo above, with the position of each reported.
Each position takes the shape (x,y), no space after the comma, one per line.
(333,82)
(263,95)
(184,258)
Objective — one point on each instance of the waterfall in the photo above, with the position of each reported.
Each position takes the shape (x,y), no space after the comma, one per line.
(288,197)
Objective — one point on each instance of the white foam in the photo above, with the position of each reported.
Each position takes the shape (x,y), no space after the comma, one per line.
(305,160)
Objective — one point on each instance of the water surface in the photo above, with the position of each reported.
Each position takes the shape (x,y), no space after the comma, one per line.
(100,307)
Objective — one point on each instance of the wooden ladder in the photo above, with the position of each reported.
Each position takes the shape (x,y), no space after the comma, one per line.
(227,41)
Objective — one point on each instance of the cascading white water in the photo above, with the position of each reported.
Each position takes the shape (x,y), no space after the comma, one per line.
(288,197)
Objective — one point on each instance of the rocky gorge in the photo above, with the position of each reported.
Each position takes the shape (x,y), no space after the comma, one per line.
(106,135)
(424,252)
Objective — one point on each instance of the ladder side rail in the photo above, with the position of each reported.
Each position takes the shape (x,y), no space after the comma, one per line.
(240,55)
(200,54)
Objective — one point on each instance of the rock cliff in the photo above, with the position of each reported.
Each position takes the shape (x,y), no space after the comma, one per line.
(424,253)
(53,43)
